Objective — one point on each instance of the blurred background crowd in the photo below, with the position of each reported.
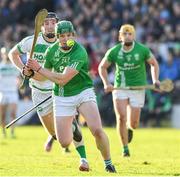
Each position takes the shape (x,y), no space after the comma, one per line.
(97,23)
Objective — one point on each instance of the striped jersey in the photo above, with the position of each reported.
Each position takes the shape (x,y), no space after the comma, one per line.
(24,47)
(8,77)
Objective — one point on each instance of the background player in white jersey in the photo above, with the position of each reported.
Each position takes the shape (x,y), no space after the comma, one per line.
(8,90)
(129,57)
(41,88)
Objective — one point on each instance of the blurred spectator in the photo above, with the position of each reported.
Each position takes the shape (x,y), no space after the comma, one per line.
(8,91)
(157,108)
(169,68)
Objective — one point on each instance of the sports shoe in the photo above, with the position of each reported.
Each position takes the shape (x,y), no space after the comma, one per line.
(48,144)
(126,154)
(84,166)
(77,136)
(130,135)
(110,169)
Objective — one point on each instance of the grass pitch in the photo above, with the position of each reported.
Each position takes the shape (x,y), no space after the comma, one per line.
(154,152)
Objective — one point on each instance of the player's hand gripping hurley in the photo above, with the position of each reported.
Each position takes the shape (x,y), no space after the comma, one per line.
(39,19)
(165,86)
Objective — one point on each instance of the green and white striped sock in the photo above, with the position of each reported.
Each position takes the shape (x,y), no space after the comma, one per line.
(107,162)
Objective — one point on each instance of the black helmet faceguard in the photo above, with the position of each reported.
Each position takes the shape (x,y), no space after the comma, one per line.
(50,35)
(52,15)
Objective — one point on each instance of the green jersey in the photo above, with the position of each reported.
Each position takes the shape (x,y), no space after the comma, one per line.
(76,58)
(130,65)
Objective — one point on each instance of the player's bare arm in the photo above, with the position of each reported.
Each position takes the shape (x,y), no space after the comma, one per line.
(103,66)
(14,56)
(59,78)
(154,70)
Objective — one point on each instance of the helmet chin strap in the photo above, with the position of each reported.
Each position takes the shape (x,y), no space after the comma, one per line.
(50,35)
(65,48)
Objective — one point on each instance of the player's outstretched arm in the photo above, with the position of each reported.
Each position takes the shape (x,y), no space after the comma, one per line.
(59,78)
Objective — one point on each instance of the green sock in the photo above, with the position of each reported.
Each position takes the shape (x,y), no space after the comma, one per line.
(82,152)
(125,148)
(107,162)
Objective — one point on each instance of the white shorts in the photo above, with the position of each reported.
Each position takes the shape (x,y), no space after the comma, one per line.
(46,107)
(8,97)
(67,106)
(136,97)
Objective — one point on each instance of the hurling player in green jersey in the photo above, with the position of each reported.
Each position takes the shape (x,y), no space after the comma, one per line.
(42,88)
(73,89)
(129,58)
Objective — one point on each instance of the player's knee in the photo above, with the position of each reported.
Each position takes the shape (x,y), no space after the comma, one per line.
(122,119)
(98,133)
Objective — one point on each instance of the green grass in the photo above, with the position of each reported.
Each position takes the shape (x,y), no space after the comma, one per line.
(153,152)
